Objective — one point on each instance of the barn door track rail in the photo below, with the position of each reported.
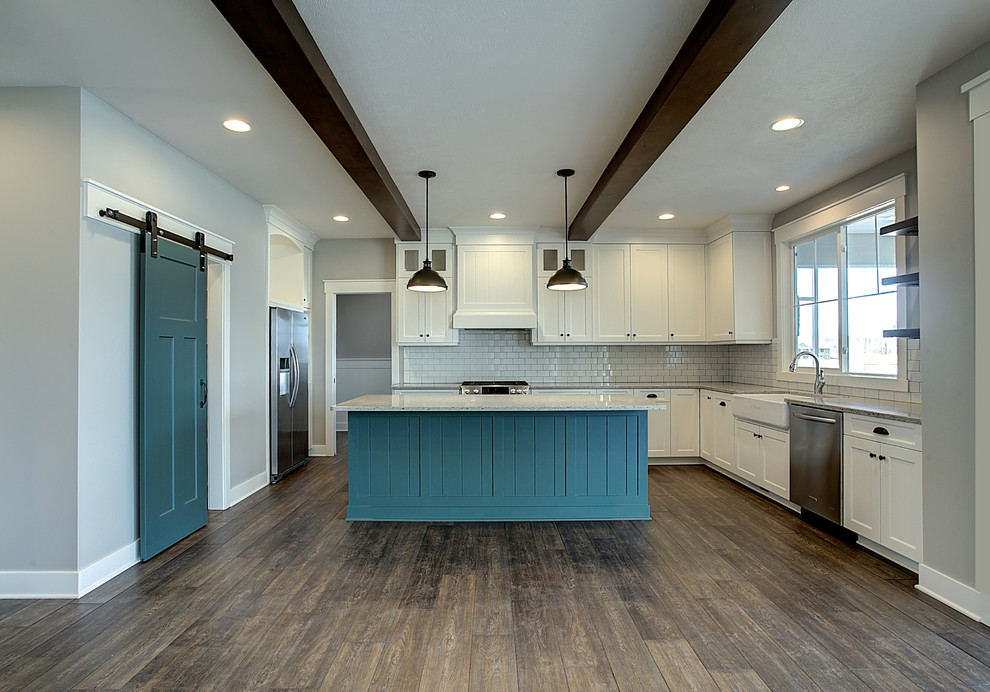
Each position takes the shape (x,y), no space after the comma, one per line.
(151,232)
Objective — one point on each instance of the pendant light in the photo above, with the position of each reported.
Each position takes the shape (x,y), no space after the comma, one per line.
(426,280)
(566,278)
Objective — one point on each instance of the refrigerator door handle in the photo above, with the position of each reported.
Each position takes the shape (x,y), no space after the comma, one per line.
(294,361)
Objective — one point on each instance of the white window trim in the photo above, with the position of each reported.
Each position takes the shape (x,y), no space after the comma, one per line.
(800,229)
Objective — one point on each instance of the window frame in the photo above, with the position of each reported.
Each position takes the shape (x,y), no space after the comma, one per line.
(821,223)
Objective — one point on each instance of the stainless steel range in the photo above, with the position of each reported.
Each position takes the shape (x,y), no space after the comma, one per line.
(495,387)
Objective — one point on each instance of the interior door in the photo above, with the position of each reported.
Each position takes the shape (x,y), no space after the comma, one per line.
(172,468)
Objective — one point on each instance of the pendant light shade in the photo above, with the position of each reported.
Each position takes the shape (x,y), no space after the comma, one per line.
(566,278)
(426,280)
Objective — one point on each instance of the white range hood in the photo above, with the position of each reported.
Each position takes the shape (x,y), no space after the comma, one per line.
(495,278)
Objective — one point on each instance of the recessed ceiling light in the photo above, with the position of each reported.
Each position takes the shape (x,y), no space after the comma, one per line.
(783,188)
(785,124)
(666,216)
(235,125)
(496,215)
(341,218)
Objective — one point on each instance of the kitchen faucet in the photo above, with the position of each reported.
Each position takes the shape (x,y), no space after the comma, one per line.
(819,376)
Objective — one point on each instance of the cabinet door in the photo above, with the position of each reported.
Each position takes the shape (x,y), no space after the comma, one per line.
(411,320)
(901,500)
(752,287)
(706,438)
(686,288)
(610,291)
(684,423)
(861,487)
(648,292)
(725,437)
(749,457)
(776,462)
(439,309)
(658,432)
(577,315)
(720,296)
(550,315)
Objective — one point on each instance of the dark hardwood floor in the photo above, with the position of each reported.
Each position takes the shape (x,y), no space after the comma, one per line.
(723,590)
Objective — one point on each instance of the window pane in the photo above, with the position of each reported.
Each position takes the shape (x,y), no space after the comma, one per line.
(439,260)
(550,260)
(861,257)
(888,261)
(869,352)
(805,328)
(410,260)
(828,334)
(577,260)
(826,260)
(804,272)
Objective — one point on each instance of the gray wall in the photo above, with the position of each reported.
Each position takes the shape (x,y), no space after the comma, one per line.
(364,325)
(338,260)
(39,278)
(945,185)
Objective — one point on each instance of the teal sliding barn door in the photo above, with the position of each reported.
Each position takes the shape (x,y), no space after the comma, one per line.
(172,474)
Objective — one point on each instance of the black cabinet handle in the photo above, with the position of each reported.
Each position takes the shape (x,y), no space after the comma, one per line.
(721,403)
(651,396)
(206,392)
(872,455)
(883,458)
(880,431)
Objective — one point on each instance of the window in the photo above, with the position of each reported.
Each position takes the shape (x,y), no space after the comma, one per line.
(841,306)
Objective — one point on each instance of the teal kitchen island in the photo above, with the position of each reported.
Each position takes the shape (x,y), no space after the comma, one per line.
(452,457)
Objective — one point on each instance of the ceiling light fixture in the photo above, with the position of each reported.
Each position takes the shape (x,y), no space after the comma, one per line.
(426,280)
(566,278)
(235,125)
(666,216)
(785,124)
(782,188)
(341,218)
(497,215)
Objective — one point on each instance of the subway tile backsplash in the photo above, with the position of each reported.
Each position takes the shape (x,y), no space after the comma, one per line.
(509,354)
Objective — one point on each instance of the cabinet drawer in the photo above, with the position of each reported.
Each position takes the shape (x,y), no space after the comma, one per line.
(660,394)
(906,435)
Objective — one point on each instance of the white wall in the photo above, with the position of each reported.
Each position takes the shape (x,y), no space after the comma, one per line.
(949,350)
(39,276)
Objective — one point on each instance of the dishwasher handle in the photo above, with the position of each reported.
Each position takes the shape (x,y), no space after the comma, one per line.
(816,419)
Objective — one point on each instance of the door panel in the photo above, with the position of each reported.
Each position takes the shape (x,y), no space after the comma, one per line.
(172,473)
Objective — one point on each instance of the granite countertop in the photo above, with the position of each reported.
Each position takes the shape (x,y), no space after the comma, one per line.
(498,402)
(891,410)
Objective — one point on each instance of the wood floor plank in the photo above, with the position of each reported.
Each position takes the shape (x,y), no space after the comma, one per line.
(538,658)
(680,666)
(493,664)
(400,666)
(739,680)
(448,656)
(493,607)
(598,679)
(353,667)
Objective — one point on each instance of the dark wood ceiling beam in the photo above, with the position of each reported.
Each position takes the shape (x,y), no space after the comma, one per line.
(724,34)
(279,39)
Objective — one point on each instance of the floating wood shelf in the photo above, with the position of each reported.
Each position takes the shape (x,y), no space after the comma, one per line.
(905,227)
(902,333)
(901,280)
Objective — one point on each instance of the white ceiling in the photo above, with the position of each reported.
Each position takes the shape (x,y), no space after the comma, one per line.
(497,96)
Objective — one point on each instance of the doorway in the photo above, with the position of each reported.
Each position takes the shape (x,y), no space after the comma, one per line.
(362,356)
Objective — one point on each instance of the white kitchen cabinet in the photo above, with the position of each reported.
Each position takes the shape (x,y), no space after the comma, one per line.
(424,319)
(881,483)
(290,260)
(686,270)
(610,294)
(684,423)
(717,439)
(740,285)
(648,295)
(658,423)
(562,316)
(763,457)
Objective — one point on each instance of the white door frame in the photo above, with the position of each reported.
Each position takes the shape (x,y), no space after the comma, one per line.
(218,376)
(332,289)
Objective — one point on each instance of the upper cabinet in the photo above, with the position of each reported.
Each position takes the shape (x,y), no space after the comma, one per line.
(290,260)
(562,316)
(686,292)
(424,319)
(740,283)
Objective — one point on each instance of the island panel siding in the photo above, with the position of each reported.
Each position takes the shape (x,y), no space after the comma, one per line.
(497,465)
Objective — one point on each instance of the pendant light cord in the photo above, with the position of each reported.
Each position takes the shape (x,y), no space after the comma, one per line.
(427,218)
(567,254)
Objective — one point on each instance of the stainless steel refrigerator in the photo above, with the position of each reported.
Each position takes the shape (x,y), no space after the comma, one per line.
(289,333)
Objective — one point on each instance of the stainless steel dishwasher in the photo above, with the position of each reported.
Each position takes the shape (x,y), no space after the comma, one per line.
(816,461)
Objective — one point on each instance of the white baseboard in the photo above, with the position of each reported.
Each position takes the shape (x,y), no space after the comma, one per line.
(248,488)
(320,451)
(68,584)
(882,551)
(107,568)
(952,593)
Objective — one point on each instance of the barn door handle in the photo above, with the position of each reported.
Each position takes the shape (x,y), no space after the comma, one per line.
(205,391)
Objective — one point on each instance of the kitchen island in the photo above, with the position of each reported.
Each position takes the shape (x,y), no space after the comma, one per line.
(450,457)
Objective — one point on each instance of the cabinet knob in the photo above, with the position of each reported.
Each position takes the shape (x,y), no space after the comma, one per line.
(872,455)
(672,333)
(568,335)
(421,335)
(883,458)
(721,403)
(427,336)
(730,331)
(561,333)
(627,336)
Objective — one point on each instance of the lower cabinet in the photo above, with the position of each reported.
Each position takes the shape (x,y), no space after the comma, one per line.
(881,483)
(673,430)
(762,456)
(717,429)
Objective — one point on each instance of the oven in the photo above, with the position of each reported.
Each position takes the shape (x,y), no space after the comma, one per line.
(495,387)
